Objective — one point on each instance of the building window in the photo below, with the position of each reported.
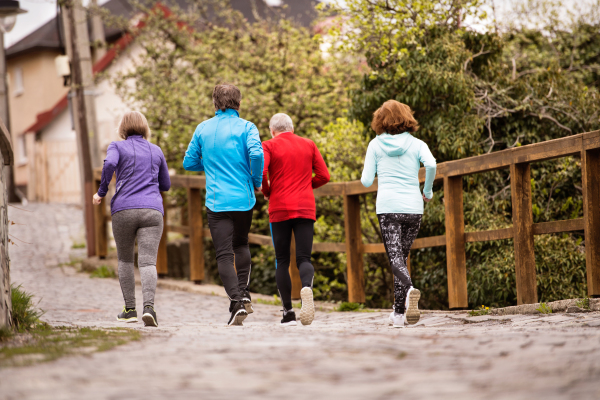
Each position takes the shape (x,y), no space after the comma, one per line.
(18,88)
(22,149)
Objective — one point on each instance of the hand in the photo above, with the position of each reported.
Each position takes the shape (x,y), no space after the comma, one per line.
(97,199)
(258,189)
(426,199)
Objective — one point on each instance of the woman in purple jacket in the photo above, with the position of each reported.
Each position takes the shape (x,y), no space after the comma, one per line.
(136,208)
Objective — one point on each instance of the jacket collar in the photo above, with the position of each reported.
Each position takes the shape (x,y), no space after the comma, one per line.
(229,111)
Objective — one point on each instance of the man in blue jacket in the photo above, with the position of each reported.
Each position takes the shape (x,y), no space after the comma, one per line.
(228,149)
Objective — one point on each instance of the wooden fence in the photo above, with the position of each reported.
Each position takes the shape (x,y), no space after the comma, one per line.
(586,145)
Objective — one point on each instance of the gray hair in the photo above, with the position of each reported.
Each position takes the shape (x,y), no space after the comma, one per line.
(281,122)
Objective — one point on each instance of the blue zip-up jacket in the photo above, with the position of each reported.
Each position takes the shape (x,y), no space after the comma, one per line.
(228,149)
(396,159)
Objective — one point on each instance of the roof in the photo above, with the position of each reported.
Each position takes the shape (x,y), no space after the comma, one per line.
(48,36)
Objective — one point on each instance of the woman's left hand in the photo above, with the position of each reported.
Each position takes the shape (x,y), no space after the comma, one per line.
(426,199)
(97,199)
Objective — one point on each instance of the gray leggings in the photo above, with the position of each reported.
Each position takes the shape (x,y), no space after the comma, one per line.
(147,225)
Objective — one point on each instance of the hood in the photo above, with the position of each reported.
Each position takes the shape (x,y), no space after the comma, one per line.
(395,145)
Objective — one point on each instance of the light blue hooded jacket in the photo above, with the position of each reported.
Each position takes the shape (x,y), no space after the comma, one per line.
(228,149)
(396,159)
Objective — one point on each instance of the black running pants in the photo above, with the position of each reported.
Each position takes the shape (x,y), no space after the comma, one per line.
(282,238)
(229,231)
(399,231)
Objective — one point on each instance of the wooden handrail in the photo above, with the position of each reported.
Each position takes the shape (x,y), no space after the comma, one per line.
(586,145)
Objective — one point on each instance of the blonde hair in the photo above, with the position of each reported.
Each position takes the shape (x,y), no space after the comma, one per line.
(133,123)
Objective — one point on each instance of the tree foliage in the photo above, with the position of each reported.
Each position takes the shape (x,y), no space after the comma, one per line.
(475,92)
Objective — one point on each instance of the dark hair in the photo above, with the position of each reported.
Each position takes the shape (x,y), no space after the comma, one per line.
(394,117)
(226,96)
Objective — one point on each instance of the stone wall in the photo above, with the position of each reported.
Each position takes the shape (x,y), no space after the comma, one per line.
(6,159)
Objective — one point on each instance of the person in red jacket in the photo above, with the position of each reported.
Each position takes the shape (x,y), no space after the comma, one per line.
(288,184)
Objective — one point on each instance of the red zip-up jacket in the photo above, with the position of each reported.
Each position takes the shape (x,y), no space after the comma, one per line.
(290,161)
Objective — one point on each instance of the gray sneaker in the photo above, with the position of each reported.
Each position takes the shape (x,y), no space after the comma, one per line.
(127,315)
(149,317)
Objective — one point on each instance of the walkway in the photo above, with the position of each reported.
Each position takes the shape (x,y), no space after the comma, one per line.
(193,355)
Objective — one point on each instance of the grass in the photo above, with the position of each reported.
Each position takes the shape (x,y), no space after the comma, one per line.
(482,311)
(544,308)
(104,271)
(45,343)
(348,306)
(25,315)
(78,245)
(583,303)
(32,340)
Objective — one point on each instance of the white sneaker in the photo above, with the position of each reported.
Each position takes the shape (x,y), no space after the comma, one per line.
(307,312)
(412,306)
(397,320)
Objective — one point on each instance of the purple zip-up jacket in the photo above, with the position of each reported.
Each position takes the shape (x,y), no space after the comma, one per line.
(139,187)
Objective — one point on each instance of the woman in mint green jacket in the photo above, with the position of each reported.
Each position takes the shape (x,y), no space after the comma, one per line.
(396,156)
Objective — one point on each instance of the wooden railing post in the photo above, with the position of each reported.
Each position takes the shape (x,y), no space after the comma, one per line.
(522,214)
(100,225)
(590,163)
(455,243)
(294,272)
(196,235)
(162,268)
(354,250)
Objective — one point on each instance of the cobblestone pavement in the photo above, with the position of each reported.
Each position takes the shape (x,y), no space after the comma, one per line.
(341,356)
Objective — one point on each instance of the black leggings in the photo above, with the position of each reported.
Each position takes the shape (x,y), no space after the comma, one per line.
(399,231)
(229,231)
(282,239)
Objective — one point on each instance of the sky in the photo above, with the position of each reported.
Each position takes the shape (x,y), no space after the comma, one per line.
(41,11)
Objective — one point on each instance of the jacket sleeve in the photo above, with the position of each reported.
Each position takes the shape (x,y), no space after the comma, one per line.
(193,155)
(428,161)
(370,168)
(320,168)
(110,165)
(164,180)
(255,153)
(266,188)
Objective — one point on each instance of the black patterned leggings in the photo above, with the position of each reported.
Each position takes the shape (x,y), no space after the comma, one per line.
(399,231)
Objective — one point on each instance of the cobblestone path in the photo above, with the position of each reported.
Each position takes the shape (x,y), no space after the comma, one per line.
(193,355)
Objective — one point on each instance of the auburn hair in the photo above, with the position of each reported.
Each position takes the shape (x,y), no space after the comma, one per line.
(394,117)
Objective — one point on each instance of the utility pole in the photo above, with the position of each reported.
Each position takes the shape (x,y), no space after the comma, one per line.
(82,85)
(98,37)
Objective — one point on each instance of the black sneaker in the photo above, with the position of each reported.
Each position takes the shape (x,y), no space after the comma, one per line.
(238,313)
(247,301)
(127,315)
(289,318)
(149,317)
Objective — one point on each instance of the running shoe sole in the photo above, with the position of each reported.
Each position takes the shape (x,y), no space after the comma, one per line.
(289,323)
(128,320)
(412,314)
(149,320)
(307,312)
(239,317)
(248,306)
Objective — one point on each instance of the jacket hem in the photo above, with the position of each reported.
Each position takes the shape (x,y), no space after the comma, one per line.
(159,209)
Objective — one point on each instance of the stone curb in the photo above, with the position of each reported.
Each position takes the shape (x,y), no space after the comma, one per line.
(556,306)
